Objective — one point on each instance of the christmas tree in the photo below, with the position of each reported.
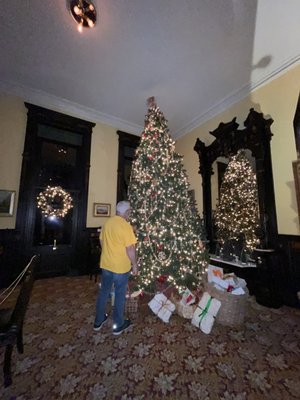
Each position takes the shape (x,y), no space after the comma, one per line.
(237,210)
(163,212)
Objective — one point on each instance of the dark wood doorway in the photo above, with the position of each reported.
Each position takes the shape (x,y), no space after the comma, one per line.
(56,153)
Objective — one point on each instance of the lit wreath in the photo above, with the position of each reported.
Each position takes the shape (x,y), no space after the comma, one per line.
(54,201)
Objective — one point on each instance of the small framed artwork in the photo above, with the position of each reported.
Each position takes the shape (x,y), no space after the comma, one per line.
(101,210)
(7,199)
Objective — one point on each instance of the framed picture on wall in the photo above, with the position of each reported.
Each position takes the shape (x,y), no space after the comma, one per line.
(7,199)
(101,210)
(296,169)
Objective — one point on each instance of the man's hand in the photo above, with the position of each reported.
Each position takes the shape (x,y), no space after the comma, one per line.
(135,269)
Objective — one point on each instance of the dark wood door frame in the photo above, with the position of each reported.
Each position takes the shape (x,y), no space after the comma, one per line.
(27,198)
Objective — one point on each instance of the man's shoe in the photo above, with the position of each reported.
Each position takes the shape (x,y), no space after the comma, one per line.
(98,327)
(127,323)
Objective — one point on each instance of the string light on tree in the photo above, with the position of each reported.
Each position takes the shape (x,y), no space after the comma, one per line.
(54,201)
(163,211)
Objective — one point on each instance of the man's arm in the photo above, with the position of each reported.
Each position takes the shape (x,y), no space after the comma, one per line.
(130,250)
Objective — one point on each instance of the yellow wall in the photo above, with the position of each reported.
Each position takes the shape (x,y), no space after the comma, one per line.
(104,159)
(276,100)
(103,171)
(12,135)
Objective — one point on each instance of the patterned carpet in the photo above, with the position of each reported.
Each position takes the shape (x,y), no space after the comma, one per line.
(65,359)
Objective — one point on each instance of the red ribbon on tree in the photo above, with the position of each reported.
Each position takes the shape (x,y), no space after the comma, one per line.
(162,278)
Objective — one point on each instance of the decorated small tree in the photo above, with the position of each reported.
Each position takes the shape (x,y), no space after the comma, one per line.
(163,212)
(237,212)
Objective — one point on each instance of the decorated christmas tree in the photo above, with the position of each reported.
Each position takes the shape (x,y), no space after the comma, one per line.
(163,211)
(237,211)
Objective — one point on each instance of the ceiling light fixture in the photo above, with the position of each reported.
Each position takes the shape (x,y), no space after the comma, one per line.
(84,13)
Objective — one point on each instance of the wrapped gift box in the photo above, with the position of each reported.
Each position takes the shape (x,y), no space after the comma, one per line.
(162,307)
(229,282)
(185,311)
(187,298)
(204,315)
(184,306)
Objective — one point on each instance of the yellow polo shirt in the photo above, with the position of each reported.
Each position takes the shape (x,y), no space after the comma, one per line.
(116,235)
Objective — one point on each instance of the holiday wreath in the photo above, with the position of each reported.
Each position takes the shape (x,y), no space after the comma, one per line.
(54,201)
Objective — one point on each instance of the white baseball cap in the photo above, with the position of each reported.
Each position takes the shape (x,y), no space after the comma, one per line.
(122,207)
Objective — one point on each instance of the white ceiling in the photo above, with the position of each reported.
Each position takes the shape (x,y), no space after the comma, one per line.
(195,56)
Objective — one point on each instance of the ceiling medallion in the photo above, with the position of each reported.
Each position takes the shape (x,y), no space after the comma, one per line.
(84,13)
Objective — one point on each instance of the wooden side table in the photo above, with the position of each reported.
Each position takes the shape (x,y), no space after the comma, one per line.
(269,277)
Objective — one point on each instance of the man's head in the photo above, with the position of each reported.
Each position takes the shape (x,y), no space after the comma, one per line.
(123,209)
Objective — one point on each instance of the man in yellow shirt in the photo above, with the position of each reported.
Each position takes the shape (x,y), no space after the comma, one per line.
(117,259)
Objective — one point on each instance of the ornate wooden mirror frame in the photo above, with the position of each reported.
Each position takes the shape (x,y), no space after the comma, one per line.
(296,164)
(256,136)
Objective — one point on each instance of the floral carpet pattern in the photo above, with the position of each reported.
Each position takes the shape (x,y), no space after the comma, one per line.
(64,359)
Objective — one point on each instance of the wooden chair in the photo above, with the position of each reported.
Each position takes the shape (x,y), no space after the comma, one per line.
(11,320)
(94,254)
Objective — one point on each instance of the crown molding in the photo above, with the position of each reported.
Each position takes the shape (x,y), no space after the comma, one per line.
(46,100)
(43,99)
(235,97)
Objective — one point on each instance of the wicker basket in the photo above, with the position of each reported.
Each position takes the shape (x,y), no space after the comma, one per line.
(131,305)
(233,307)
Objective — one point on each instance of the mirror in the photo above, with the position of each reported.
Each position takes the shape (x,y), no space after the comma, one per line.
(235,219)
(218,170)
(255,138)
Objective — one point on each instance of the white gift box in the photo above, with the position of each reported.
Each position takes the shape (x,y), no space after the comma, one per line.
(214,272)
(222,282)
(204,315)
(187,298)
(185,311)
(162,307)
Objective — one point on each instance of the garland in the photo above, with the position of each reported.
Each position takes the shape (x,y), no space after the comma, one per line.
(54,201)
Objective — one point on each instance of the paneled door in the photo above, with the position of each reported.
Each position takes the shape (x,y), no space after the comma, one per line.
(56,155)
